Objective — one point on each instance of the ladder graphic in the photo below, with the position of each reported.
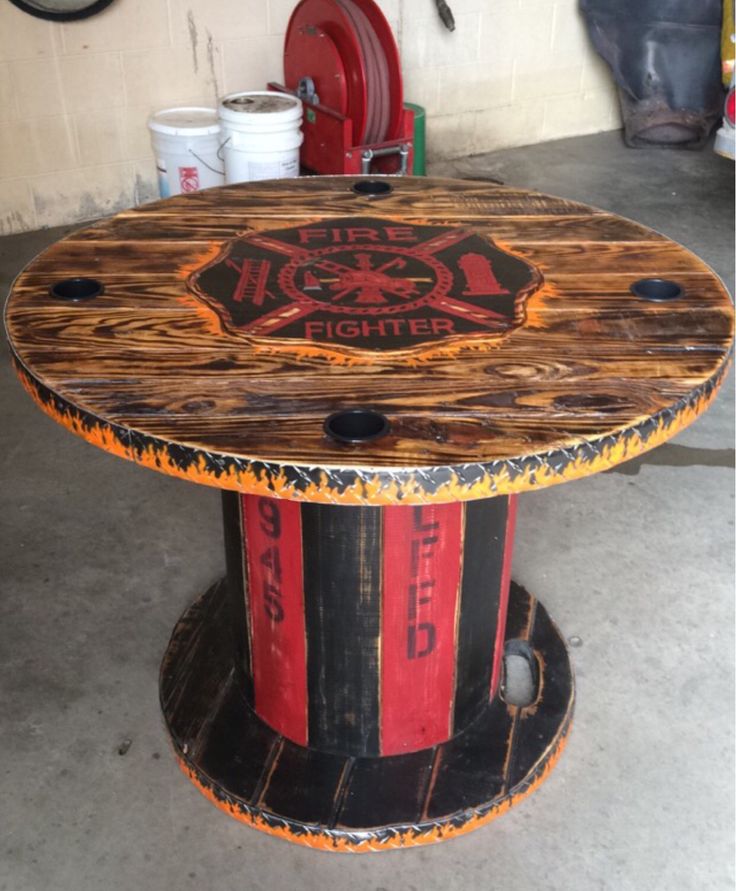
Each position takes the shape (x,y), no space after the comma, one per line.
(251,284)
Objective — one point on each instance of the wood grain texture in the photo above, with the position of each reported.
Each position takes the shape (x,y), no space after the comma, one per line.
(593,377)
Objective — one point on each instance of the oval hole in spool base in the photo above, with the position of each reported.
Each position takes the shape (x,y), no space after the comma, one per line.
(657,289)
(372,188)
(356,425)
(77,289)
(520,680)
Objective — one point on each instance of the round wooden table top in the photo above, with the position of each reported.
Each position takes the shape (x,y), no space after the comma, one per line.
(495,329)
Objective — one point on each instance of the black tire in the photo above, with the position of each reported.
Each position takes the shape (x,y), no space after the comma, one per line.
(32,7)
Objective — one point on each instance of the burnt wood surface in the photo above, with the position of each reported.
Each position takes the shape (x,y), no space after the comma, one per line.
(590,377)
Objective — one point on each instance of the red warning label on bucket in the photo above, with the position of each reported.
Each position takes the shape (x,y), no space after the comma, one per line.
(188,179)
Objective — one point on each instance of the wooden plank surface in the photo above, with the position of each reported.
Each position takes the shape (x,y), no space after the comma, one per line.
(338,802)
(151,371)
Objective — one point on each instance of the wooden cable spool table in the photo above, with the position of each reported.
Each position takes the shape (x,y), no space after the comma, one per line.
(371,371)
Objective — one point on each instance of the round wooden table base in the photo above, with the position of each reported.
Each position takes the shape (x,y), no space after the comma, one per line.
(331,801)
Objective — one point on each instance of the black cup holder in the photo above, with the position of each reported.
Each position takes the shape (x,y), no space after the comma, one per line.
(77,289)
(372,188)
(658,290)
(356,425)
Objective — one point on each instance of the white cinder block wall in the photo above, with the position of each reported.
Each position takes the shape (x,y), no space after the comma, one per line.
(74,97)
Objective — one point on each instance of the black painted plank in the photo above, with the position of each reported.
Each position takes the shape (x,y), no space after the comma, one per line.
(388,790)
(342,587)
(483,550)
(519,615)
(204,703)
(470,767)
(304,784)
(237,587)
(233,750)
(187,693)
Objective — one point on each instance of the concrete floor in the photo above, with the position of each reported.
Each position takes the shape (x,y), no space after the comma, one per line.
(99,558)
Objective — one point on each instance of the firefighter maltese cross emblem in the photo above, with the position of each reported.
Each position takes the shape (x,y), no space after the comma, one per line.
(367,287)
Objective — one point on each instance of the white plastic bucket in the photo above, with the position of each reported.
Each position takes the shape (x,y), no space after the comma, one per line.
(186,142)
(261,135)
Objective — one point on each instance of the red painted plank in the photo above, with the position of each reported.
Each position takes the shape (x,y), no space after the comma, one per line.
(273,548)
(421,577)
(503,596)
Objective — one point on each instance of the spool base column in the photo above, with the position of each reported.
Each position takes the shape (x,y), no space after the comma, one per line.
(342,803)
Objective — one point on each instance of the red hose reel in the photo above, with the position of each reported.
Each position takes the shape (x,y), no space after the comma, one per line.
(341,59)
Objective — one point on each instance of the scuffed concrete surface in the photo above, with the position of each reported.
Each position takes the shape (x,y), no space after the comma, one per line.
(100,557)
